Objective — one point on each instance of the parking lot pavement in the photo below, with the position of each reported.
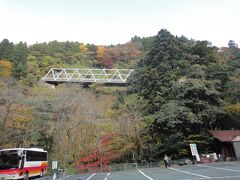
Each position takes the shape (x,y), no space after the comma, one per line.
(229,170)
(94,176)
(209,171)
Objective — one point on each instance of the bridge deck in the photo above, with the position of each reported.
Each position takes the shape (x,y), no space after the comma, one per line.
(118,76)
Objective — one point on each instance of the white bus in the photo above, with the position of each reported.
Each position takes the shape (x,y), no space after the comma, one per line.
(22,163)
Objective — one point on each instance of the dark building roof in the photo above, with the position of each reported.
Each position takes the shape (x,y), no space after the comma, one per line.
(226,135)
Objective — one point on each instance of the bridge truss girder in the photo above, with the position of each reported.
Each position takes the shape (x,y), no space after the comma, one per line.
(57,75)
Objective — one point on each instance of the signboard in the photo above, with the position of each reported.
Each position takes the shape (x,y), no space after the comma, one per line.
(198,158)
(194,151)
(193,148)
(54,164)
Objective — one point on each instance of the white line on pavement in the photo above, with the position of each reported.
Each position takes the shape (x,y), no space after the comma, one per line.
(91,176)
(226,169)
(107,176)
(206,177)
(145,175)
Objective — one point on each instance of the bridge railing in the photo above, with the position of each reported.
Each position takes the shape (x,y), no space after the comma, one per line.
(87,75)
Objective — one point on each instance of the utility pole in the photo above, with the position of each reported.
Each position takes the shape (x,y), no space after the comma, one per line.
(65,154)
(65,157)
(99,149)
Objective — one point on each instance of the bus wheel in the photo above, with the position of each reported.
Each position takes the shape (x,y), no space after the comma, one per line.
(41,173)
(26,176)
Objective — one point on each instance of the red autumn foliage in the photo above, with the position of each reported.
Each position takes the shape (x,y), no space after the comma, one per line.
(92,162)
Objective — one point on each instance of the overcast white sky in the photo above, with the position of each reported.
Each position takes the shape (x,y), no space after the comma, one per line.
(105,22)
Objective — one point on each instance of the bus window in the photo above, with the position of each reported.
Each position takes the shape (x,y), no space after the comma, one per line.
(9,159)
(36,156)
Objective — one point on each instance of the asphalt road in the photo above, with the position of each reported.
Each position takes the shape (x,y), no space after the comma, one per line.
(226,170)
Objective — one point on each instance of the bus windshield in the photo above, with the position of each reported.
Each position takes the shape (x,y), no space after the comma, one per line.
(9,159)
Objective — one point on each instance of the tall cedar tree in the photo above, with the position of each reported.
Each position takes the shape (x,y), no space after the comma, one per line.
(20,61)
(6,50)
(156,73)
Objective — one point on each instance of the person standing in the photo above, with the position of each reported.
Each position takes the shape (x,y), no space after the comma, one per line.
(166,161)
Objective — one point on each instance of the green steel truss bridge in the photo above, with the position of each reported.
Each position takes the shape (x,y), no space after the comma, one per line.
(62,75)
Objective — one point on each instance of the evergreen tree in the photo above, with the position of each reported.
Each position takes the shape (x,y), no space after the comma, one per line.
(232,44)
(156,73)
(6,50)
(20,61)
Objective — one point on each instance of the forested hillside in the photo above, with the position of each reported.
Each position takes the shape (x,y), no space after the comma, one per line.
(179,90)
(190,87)
(29,63)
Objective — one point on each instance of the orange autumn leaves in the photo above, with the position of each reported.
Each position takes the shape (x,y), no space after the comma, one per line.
(5,68)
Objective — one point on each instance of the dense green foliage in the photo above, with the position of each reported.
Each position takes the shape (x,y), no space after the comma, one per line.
(6,50)
(20,61)
(187,89)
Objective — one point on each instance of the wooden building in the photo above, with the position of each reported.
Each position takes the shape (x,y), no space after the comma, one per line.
(229,142)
